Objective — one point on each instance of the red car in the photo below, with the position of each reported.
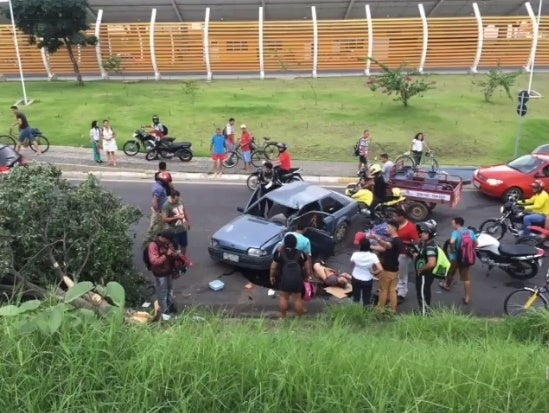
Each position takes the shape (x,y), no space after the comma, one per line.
(513,179)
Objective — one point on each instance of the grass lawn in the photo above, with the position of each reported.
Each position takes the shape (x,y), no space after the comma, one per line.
(342,362)
(320,119)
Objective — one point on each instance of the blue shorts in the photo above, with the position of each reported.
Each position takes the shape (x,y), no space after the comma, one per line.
(247,156)
(25,135)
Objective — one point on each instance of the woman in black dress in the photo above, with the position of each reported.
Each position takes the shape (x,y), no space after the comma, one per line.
(289,270)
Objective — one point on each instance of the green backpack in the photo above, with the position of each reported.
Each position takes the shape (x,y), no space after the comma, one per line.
(443,264)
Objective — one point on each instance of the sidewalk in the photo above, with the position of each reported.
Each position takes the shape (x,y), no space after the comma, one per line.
(75,162)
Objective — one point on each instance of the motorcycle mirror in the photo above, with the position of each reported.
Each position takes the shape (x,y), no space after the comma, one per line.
(240,209)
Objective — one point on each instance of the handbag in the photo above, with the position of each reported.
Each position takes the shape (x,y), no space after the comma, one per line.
(310,291)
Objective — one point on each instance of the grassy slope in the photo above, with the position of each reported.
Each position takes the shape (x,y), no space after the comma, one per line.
(444,363)
(320,119)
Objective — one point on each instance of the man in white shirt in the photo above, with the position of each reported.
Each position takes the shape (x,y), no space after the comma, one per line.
(386,167)
(229,135)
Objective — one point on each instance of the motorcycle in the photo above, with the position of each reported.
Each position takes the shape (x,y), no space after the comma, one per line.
(167,149)
(539,237)
(362,177)
(141,138)
(382,211)
(519,261)
(270,181)
(511,219)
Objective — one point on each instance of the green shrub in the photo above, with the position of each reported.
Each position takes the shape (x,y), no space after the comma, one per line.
(496,78)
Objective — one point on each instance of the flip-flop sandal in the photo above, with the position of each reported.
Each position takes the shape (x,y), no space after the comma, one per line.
(443,286)
(465,302)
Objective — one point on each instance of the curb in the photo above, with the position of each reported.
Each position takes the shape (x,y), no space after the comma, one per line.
(190,176)
(197,176)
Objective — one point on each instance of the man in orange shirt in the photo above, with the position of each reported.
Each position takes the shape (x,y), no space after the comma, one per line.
(245,146)
(284,161)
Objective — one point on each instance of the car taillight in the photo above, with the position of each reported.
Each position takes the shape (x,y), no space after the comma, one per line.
(4,170)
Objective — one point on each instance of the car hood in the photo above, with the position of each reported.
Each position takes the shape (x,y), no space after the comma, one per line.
(497,171)
(247,231)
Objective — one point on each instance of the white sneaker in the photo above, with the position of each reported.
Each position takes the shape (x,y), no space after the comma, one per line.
(165,317)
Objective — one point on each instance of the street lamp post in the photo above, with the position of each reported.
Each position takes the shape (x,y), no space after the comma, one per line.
(25,100)
(522,95)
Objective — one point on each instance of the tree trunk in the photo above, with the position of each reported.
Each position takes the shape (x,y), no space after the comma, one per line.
(74,62)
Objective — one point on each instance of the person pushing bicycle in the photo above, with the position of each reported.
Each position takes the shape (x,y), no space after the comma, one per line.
(25,131)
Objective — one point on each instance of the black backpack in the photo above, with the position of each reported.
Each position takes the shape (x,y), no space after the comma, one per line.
(291,267)
(225,132)
(165,130)
(357,148)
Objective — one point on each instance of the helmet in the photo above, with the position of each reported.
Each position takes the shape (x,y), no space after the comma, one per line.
(429,227)
(375,169)
(268,164)
(281,146)
(537,185)
(155,119)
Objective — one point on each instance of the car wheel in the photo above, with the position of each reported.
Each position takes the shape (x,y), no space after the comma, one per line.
(340,232)
(512,193)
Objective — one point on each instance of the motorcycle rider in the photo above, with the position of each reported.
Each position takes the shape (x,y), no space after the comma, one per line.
(377,184)
(158,129)
(537,206)
(283,163)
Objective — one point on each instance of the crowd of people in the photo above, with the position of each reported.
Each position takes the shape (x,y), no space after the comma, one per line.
(168,228)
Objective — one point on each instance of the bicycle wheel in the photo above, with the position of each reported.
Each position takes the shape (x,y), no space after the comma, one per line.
(151,155)
(404,162)
(42,142)
(525,299)
(7,140)
(434,165)
(271,151)
(231,160)
(258,157)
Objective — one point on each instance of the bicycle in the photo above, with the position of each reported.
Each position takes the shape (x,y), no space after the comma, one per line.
(527,298)
(11,140)
(408,161)
(258,154)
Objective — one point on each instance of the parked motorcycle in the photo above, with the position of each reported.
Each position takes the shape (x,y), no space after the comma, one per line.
(519,261)
(511,219)
(362,177)
(141,139)
(261,177)
(168,149)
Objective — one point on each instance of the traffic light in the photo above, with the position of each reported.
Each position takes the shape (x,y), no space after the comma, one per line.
(523,98)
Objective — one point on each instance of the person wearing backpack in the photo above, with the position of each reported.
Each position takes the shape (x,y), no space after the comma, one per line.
(289,271)
(361,149)
(461,251)
(425,263)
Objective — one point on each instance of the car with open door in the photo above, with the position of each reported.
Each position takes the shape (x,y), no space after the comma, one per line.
(249,240)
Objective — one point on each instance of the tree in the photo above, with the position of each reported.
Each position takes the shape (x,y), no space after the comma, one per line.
(497,78)
(50,229)
(399,81)
(53,24)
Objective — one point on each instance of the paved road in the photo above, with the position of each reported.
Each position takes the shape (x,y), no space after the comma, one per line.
(211,205)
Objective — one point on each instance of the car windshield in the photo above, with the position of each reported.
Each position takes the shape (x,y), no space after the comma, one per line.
(525,164)
(273,211)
